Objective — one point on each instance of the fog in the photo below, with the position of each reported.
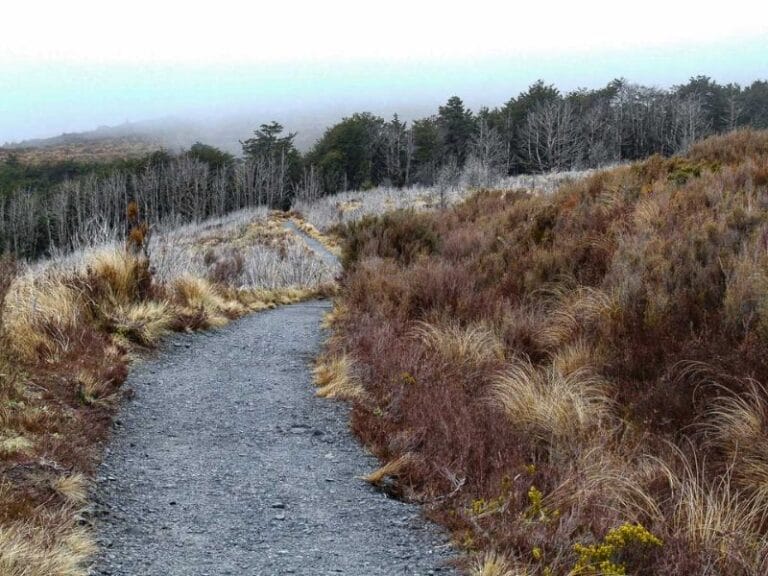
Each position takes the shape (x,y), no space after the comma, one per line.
(221,102)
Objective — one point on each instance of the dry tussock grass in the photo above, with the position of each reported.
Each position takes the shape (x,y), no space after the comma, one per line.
(723,526)
(335,378)
(38,315)
(618,483)
(144,322)
(335,315)
(67,332)
(391,469)
(603,365)
(44,550)
(737,425)
(555,408)
(573,312)
(197,296)
(494,564)
(476,344)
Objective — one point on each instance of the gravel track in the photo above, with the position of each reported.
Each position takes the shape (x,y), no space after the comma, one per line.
(225,462)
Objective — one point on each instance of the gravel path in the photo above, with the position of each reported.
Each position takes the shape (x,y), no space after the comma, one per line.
(226,463)
(327,257)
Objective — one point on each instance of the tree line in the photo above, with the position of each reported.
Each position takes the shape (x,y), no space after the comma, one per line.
(540,130)
(64,206)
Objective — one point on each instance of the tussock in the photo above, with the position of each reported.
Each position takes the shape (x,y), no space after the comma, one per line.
(574,311)
(737,425)
(144,322)
(39,314)
(476,343)
(393,468)
(616,482)
(197,296)
(334,316)
(723,524)
(575,357)
(494,564)
(551,406)
(335,378)
(119,272)
(73,488)
(52,550)
(15,445)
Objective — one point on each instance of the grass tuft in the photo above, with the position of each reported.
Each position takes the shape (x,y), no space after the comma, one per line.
(393,468)
(494,564)
(335,378)
(476,344)
(555,408)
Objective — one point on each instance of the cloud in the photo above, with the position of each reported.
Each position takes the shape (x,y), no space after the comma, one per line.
(228,31)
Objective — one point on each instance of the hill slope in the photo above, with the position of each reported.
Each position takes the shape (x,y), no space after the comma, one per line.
(573,382)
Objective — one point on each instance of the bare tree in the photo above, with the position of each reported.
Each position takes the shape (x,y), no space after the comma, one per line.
(447,180)
(550,139)
(310,188)
(690,120)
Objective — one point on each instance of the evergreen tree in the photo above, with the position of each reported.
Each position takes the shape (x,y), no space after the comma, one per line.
(350,154)
(427,148)
(457,126)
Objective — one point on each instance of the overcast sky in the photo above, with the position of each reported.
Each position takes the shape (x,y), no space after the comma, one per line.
(68,66)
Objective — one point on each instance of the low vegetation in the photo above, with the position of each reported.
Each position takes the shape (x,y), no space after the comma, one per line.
(76,148)
(574,383)
(338,209)
(68,330)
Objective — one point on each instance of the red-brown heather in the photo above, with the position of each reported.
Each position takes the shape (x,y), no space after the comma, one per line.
(544,373)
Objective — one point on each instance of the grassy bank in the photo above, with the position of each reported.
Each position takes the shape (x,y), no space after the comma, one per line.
(573,383)
(68,331)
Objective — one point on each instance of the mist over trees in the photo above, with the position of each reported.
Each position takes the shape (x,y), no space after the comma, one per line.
(65,205)
(539,130)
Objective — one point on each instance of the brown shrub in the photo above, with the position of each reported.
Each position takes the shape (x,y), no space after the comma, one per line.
(402,235)
(615,291)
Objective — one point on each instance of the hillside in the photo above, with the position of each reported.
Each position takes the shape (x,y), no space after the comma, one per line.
(81,148)
(574,383)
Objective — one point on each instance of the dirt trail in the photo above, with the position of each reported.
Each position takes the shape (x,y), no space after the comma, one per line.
(226,463)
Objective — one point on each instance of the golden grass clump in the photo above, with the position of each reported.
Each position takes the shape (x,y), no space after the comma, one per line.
(573,311)
(575,357)
(120,272)
(73,488)
(335,378)
(392,468)
(722,524)
(15,444)
(737,425)
(551,406)
(56,549)
(613,478)
(143,322)
(39,314)
(92,390)
(198,296)
(476,343)
(334,316)
(494,564)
